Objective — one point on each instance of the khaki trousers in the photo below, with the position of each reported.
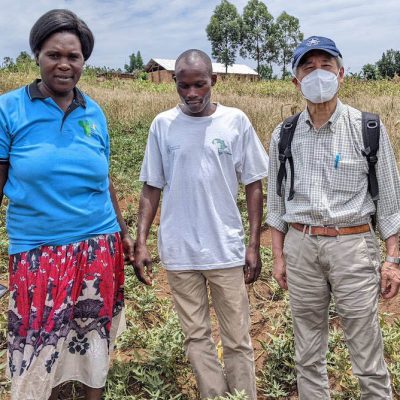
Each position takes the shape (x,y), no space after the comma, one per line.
(348,268)
(229,297)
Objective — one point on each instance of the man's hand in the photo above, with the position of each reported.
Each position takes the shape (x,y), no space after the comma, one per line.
(129,248)
(142,261)
(279,272)
(390,280)
(252,268)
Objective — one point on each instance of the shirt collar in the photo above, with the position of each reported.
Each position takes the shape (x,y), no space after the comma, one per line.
(331,121)
(34,93)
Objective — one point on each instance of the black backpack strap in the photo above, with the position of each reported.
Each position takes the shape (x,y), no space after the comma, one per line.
(371,131)
(285,153)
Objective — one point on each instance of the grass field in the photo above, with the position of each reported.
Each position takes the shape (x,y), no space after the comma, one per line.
(149,362)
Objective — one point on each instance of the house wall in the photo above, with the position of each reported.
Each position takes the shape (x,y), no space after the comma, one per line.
(163,76)
(239,77)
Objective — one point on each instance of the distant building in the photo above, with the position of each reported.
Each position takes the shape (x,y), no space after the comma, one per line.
(161,70)
(116,74)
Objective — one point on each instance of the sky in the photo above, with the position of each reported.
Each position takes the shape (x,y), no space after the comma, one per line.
(362,29)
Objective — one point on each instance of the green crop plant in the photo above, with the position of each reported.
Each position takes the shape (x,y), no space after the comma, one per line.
(237,395)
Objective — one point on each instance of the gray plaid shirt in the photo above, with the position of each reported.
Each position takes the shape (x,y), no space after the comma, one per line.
(329,193)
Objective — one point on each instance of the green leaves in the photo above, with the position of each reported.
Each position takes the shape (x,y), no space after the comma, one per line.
(224,33)
(24,63)
(256,35)
(370,72)
(389,65)
(287,36)
(135,63)
(256,32)
(236,396)
(153,365)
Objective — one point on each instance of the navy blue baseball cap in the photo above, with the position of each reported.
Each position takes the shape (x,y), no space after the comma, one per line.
(314,43)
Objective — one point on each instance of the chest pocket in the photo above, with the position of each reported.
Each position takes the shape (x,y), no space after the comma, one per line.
(350,176)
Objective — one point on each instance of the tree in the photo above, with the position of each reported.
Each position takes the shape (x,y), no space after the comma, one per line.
(287,37)
(256,31)
(132,63)
(224,32)
(139,61)
(370,72)
(266,72)
(23,63)
(135,63)
(8,62)
(355,75)
(24,58)
(389,65)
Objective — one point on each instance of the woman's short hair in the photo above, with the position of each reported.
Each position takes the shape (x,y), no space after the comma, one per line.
(61,20)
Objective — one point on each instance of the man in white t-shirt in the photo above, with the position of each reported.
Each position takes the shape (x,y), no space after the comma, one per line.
(197,154)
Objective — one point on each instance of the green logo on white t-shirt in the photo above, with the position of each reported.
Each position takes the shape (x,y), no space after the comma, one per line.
(221,146)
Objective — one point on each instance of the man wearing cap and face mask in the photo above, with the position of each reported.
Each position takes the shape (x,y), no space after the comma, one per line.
(322,240)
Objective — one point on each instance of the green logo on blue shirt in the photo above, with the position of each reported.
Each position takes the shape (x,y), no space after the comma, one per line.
(88,127)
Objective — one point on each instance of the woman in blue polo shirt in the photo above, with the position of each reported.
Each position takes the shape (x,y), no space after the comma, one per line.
(67,237)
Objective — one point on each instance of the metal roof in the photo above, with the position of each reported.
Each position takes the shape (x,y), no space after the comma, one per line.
(240,69)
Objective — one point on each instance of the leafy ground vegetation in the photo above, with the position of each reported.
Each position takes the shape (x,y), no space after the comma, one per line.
(149,362)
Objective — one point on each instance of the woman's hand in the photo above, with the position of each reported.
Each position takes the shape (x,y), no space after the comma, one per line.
(129,248)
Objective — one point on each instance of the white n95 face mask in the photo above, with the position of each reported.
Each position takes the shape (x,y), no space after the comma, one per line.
(319,86)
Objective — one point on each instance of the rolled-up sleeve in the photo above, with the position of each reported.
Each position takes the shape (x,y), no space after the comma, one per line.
(388,211)
(275,203)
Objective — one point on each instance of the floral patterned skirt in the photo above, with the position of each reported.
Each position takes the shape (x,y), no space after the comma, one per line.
(66,309)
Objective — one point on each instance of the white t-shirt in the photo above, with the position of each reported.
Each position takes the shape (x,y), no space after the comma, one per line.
(199,163)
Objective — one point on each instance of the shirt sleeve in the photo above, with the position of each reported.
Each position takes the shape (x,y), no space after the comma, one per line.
(254,163)
(5,139)
(388,211)
(275,204)
(152,171)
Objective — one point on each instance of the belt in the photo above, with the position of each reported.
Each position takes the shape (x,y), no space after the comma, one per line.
(330,230)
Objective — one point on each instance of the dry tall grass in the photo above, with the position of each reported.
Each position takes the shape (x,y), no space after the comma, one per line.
(266,103)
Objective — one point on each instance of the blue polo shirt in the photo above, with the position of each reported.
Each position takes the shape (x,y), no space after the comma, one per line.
(57,186)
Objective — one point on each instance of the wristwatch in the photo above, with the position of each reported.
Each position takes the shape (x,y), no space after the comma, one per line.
(394,260)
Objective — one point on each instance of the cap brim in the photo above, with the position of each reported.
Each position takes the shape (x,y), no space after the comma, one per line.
(331,52)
